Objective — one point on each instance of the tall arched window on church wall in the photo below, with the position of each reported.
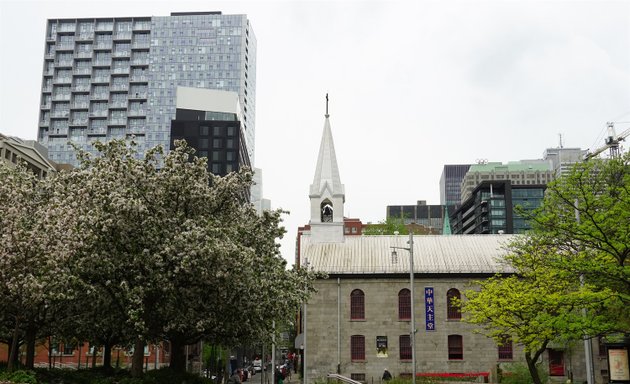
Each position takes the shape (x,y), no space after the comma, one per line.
(357,347)
(326,209)
(404,304)
(357,305)
(453,312)
(455,347)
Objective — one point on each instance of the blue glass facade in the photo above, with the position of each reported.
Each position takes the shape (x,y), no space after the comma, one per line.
(116,77)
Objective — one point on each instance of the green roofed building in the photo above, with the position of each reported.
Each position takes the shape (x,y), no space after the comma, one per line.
(524,172)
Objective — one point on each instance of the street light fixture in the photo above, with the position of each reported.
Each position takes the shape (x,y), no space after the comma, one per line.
(413,311)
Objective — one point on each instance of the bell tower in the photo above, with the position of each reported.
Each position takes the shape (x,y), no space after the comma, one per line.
(327,194)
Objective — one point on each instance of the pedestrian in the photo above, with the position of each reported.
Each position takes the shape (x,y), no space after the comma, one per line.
(235,378)
(386,375)
(279,376)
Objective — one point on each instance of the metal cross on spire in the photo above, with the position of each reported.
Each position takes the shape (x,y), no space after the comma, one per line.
(327,115)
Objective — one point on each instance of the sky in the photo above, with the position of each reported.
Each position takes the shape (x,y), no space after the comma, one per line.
(413,85)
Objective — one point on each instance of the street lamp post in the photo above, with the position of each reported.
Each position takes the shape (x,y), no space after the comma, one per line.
(304,354)
(413,310)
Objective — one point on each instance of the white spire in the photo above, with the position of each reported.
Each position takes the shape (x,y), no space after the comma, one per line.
(327,170)
(327,194)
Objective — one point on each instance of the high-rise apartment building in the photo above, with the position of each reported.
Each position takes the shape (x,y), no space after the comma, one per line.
(106,78)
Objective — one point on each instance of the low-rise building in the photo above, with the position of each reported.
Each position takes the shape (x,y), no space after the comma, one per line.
(35,155)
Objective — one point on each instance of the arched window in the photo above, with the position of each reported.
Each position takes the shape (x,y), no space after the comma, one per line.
(505,349)
(357,305)
(326,209)
(404,343)
(357,347)
(453,311)
(455,347)
(404,304)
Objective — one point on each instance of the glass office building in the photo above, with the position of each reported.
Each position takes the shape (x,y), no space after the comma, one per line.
(109,78)
(451,184)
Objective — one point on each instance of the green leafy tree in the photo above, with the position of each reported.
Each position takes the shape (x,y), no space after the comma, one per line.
(574,260)
(387,227)
(587,215)
(537,305)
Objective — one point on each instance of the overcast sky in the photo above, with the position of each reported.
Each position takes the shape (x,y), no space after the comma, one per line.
(413,85)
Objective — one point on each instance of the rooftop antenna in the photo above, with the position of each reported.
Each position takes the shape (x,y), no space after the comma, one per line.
(327,115)
(560,134)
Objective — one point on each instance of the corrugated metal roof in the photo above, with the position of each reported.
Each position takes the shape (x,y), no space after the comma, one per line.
(432,254)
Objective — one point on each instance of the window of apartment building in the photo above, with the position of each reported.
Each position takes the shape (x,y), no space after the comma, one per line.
(357,305)
(455,347)
(357,347)
(404,345)
(453,311)
(505,349)
(404,304)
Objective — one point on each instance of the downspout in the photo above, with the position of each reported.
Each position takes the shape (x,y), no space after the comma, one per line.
(338,325)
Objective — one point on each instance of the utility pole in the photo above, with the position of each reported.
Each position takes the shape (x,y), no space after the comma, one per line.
(305,378)
(412,332)
(588,344)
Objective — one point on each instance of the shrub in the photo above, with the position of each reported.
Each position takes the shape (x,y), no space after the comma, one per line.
(27,377)
(518,373)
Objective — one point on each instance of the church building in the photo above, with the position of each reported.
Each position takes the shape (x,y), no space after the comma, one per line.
(359,321)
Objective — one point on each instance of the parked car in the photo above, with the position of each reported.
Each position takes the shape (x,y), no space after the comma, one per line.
(257,364)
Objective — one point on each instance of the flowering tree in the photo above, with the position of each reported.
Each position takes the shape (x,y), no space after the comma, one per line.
(179,251)
(36,237)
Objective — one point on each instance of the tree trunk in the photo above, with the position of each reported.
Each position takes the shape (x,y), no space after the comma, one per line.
(30,346)
(138,358)
(14,345)
(531,365)
(107,356)
(178,357)
(49,352)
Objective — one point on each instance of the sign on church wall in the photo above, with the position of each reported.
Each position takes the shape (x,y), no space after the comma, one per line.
(429,308)
(381,346)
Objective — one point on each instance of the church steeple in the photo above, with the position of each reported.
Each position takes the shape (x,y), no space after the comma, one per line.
(327,194)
